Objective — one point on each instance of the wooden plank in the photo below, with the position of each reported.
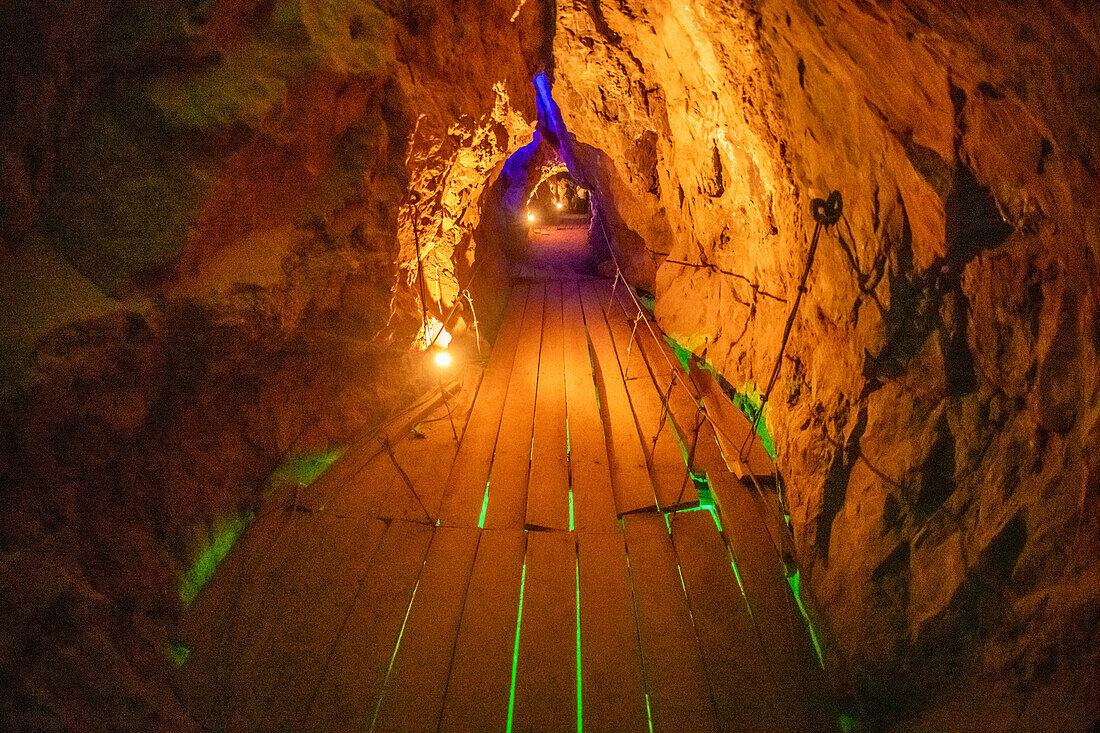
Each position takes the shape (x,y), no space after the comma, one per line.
(481,671)
(709,458)
(323,594)
(354,675)
(630,480)
(612,685)
(278,616)
(367,449)
(667,466)
(589,475)
(740,680)
(675,676)
(672,382)
(546,672)
(797,676)
(461,505)
(548,487)
(413,699)
(426,456)
(512,458)
(702,386)
(733,429)
(230,611)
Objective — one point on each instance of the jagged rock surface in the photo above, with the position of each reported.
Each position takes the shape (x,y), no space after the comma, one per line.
(938,412)
(207,263)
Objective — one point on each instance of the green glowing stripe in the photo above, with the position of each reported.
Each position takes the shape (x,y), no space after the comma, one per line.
(484,507)
(748,399)
(705,508)
(393,657)
(515,652)
(570,510)
(580,721)
(210,556)
(792,580)
(568,451)
(304,469)
(179,653)
(648,713)
(737,575)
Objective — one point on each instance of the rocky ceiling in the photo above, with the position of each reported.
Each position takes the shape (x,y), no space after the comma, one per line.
(210,212)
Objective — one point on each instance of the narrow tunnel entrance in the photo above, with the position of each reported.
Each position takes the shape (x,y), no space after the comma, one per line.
(541,209)
(558,233)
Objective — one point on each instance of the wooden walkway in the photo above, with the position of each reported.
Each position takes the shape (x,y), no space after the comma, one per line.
(549,570)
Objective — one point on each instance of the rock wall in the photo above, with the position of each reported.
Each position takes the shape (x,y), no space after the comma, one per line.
(937,415)
(207,264)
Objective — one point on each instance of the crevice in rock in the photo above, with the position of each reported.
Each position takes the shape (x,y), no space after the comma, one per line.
(835,487)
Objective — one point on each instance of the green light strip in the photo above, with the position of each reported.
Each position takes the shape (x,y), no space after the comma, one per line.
(393,657)
(648,713)
(580,719)
(515,652)
(484,507)
(792,580)
(211,555)
(737,575)
(570,510)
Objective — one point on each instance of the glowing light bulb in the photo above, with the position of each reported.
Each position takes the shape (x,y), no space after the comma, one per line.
(530,216)
(558,204)
(442,359)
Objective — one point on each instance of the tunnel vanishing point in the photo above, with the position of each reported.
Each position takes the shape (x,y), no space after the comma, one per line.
(499,365)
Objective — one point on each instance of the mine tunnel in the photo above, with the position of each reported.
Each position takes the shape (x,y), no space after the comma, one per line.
(403,365)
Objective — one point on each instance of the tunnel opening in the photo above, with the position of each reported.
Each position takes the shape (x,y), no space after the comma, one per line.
(538,208)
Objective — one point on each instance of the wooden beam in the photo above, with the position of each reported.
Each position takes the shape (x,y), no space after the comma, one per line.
(630,479)
(548,487)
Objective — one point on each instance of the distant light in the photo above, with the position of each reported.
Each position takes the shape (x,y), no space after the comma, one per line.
(558,204)
(442,359)
(530,216)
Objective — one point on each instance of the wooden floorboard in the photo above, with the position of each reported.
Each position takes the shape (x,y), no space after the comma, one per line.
(465,487)
(290,669)
(548,487)
(745,456)
(612,685)
(737,669)
(589,475)
(546,670)
(675,675)
(227,621)
(672,383)
(413,698)
(377,602)
(479,686)
(507,503)
(282,612)
(353,678)
(425,456)
(785,639)
(667,465)
(630,480)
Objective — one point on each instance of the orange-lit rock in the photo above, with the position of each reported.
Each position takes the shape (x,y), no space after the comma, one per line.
(938,404)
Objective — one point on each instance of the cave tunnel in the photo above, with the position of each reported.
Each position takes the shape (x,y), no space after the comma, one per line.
(519,365)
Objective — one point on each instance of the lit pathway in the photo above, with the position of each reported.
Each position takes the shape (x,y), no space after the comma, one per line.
(548,570)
